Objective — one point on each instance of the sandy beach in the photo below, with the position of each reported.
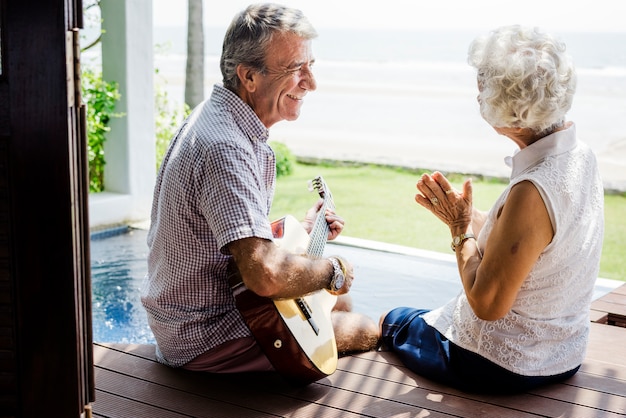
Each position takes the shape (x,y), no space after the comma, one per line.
(424,115)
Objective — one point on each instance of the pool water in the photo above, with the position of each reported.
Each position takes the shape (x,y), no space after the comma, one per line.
(383,280)
(118,266)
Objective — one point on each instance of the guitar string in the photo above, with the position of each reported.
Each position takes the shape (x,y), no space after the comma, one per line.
(319,234)
(316,244)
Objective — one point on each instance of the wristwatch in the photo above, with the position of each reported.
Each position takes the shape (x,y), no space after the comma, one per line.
(339,275)
(460,239)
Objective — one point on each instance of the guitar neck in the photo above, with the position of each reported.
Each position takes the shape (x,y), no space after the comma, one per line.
(320,230)
(319,234)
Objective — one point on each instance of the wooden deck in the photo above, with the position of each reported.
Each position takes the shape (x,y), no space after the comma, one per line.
(611,308)
(130,384)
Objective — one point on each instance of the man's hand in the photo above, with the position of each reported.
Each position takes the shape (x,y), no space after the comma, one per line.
(334,221)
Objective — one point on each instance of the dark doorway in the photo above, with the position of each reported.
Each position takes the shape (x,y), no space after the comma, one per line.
(45,323)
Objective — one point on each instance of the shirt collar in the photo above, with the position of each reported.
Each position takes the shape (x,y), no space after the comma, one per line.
(243,114)
(553,144)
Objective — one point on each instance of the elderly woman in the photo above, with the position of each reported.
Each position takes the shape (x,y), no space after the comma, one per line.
(528,266)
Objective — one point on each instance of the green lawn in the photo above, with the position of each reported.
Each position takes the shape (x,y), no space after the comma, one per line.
(377,203)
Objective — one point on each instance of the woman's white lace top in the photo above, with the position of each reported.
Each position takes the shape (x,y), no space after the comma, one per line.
(545,332)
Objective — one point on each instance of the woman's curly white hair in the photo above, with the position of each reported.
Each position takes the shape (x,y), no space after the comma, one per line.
(525,78)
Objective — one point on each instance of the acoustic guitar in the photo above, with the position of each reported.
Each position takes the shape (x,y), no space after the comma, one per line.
(295,334)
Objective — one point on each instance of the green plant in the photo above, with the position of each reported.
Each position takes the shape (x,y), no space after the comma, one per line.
(100,97)
(285,160)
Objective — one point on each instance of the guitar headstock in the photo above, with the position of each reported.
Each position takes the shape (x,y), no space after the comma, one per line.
(318,184)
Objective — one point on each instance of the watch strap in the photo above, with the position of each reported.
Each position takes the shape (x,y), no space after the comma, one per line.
(339,273)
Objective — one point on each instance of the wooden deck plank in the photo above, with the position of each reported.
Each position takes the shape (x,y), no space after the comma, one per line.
(404,387)
(621,290)
(257,393)
(130,383)
(252,392)
(274,395)
(598,316)
(611,304)
(610,308)
(595,380)
(111,405)
(159,396)
(586,402)
(385,395)
(607,346)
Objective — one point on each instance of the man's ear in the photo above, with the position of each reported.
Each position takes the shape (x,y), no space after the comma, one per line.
(247,77)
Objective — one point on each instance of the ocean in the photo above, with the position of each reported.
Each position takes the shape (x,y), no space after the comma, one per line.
(591,50)
(408,98)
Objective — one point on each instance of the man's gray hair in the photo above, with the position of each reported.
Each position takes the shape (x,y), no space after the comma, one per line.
(250,33)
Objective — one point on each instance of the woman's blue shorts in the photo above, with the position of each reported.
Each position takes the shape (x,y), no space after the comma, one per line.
(428,353)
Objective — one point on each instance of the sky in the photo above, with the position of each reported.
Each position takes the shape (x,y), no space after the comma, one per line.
(551,15)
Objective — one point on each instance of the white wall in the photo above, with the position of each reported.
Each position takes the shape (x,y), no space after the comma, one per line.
(127,58)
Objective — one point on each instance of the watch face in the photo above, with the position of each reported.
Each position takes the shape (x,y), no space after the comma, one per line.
(457,240)
(339,280)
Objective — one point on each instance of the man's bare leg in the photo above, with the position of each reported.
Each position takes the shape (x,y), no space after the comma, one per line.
(354,332)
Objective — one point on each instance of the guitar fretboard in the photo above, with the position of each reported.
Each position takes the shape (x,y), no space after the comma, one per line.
(320,230)
(319,233)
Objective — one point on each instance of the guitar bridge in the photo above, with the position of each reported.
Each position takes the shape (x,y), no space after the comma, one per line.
(308,314)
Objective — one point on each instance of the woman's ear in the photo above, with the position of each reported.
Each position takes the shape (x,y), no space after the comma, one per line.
(247,77)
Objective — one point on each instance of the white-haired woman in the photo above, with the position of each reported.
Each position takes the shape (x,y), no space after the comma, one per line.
(528,266)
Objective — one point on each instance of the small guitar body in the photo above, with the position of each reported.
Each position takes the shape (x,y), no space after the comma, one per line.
(295,334)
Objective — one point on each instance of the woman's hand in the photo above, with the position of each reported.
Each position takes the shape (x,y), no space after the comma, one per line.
(334,221)
(452,207)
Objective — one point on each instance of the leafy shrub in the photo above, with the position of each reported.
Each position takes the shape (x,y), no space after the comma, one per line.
(285,160)
(100,97)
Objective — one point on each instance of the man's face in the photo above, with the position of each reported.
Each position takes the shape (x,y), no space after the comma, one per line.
(278,94)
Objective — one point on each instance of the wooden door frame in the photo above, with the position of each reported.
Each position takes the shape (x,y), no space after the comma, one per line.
(45,321)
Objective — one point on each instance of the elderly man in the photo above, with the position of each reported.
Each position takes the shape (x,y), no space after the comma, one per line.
(212,200)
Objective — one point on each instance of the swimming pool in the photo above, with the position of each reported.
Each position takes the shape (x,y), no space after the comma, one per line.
(384,280)
(118,266)
(386,277)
